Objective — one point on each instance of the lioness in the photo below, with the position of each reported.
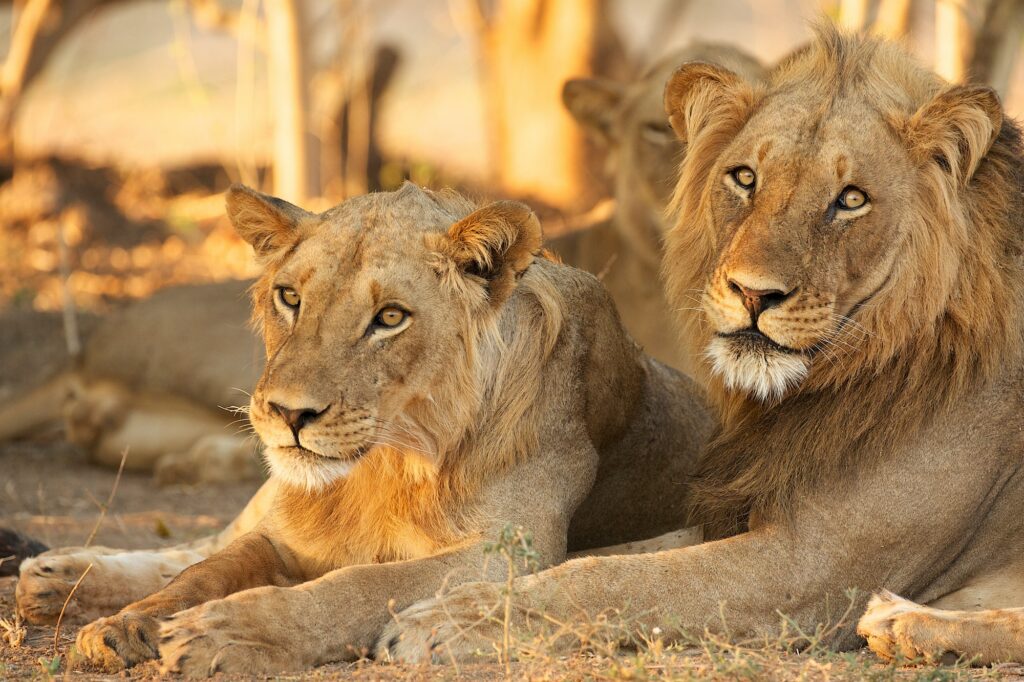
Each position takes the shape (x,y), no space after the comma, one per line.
(848,258)
(429,380)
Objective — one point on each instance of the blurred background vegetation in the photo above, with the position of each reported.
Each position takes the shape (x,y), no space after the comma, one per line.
(121,121)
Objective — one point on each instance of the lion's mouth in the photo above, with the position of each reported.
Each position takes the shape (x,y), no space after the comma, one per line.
(753,339)
(306,454)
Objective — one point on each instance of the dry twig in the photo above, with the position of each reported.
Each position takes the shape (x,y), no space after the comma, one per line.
(110,499)
(60,617)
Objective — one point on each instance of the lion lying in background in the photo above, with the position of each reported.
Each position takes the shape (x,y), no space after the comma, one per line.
(158,376)
(430,380)
(848,256)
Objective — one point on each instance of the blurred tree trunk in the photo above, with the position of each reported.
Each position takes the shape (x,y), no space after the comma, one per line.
(295,176)
(853,14)
(996,44)
(527,50)
(952,40)
(357,122)
(893,20)
(39,28)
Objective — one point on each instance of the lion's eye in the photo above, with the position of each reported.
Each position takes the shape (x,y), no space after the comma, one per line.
(390,317)
(289,297)
(657,132)
(851,198)
(744,177)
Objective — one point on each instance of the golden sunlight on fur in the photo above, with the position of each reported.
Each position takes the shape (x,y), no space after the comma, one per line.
(430,380)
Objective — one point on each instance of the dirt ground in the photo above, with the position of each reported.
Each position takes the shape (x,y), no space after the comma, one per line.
(50,492)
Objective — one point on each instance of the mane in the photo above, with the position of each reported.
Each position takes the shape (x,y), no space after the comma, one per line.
(503,373)
(944,325)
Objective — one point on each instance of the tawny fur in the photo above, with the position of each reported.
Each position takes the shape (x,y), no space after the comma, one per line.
(642,155)
(493,401)
(894,463)
(946,320)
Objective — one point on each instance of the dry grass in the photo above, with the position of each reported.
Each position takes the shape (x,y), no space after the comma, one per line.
(610,647)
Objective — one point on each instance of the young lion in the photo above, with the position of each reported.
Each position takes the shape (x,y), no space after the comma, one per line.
(429,380)
(855,232)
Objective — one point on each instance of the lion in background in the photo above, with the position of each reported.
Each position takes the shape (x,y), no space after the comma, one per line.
(642,161)
(430,380)
(847,261)
(162,376)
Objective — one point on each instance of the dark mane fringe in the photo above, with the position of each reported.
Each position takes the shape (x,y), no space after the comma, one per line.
(914,369)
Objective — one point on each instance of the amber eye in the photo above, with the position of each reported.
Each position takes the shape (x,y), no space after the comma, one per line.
(744,177)
(390,317)
(289,297)
(851,198)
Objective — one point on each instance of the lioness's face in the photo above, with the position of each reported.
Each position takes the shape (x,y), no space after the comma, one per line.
(808,213)
(367,311)
(355,328)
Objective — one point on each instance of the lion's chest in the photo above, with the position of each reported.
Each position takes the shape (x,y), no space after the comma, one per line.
(360,521)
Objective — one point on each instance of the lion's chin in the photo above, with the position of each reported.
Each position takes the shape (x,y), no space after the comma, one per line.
(766,374)
(305,469)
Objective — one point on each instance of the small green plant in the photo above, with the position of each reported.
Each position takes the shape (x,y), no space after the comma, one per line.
(515,545)
(49,666)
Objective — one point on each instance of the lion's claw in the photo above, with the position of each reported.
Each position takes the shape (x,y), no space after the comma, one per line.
(120,641)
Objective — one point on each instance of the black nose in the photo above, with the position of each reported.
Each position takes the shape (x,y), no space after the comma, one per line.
(296,418)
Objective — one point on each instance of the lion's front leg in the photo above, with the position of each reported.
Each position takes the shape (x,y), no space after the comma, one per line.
(116,577)
(338,616)
(468,621)
(129,637)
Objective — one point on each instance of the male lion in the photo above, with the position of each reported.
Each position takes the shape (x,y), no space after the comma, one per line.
(847,257)
(429,380)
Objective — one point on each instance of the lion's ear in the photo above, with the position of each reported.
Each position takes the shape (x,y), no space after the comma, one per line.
(266,222)
(956,129)
(496,244)
(593,103)
(700,94)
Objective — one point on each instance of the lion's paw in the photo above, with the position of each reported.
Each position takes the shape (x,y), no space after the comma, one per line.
(462,624)
(120,641)
(44,584)
(216,458)
(898,629)
(110,580)
(225,636)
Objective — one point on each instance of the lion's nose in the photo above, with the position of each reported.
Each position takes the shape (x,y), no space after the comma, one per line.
(296,418)
(756,301)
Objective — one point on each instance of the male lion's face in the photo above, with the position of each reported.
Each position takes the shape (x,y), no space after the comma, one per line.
(361,322)
(807,208)
(808,203)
